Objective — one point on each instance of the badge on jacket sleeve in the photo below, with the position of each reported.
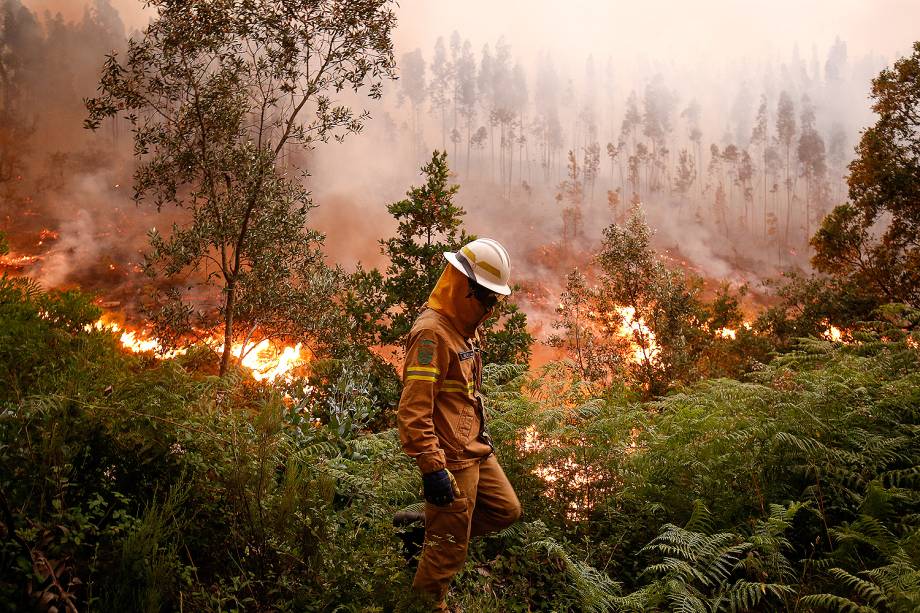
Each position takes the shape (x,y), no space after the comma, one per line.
(466,355)
(425,351)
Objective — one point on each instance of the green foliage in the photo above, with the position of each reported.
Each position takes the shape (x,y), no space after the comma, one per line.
(135,484)
(506,339)
(675,332)
(39,336)
(884,184)
(131,483)
(595,356)
(702,571)
(429,224)
(807,466)
(807,305)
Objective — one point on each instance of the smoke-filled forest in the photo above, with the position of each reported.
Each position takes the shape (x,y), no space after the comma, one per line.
(223,222)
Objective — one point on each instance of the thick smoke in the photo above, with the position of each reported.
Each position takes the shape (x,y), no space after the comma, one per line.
(508,95)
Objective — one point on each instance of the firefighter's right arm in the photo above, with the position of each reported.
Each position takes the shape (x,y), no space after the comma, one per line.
(424,369)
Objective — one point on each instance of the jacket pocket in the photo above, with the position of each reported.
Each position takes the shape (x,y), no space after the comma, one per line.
(464,425)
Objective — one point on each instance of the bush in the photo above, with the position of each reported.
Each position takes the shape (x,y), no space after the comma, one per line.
(130,483)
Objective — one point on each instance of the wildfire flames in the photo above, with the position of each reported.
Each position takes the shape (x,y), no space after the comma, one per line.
(269,362)
(643,340)
(47,235)
(19,262)
(567,472)
(833,333)
(623,321)
(265,360)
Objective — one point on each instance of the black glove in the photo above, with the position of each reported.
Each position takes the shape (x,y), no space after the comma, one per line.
(439,487)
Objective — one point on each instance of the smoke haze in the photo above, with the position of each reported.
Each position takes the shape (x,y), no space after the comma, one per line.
(562,80)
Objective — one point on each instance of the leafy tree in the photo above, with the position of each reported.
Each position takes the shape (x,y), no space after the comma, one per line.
(657,107)
(579,327)
(692,115)
(429,223)
(631,120)
(806,305)
(546,103)
(440,87)
(465,80)
(214,93)
(686,173)
(812,164)
(836,64)
(571,196)
(759,140)
(872,240)
(485,82)
(675,334)
(592,159)
(518,107)
(19,31)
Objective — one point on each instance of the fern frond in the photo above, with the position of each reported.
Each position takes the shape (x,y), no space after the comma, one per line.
(838,604)
(866,590)
(595,589)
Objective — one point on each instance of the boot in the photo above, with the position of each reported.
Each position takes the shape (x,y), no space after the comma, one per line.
(411,533)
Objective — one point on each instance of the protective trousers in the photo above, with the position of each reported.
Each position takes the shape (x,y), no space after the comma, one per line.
(487,503)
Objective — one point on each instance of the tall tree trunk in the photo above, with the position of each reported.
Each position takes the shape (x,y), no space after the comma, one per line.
(469,145)
(229,304)
(788,199)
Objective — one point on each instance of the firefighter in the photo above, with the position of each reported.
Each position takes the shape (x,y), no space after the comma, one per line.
(442,421)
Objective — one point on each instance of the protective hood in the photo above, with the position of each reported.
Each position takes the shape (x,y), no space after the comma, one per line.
(449,298)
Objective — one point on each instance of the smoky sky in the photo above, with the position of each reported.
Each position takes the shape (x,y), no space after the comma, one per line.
(668,30)
(721,55)
(665,30)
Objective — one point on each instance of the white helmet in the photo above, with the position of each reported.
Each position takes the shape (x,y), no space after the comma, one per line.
(484,261)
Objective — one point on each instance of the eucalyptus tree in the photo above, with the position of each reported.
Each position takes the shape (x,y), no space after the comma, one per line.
(465,80)
(216,93)
(811,155)
(412,87)
(691,114)
(785,135)
(440,86)
(872,242)
(546,107)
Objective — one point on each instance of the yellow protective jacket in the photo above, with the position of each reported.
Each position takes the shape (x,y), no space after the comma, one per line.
(441,417)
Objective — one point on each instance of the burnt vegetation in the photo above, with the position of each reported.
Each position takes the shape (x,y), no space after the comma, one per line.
(680,454)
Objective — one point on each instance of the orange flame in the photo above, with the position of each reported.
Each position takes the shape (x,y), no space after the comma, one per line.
(47,235)
(640,337)
(266,360)
(833,333)
(12,260)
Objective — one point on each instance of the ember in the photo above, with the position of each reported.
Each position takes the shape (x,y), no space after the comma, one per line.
(18,262)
